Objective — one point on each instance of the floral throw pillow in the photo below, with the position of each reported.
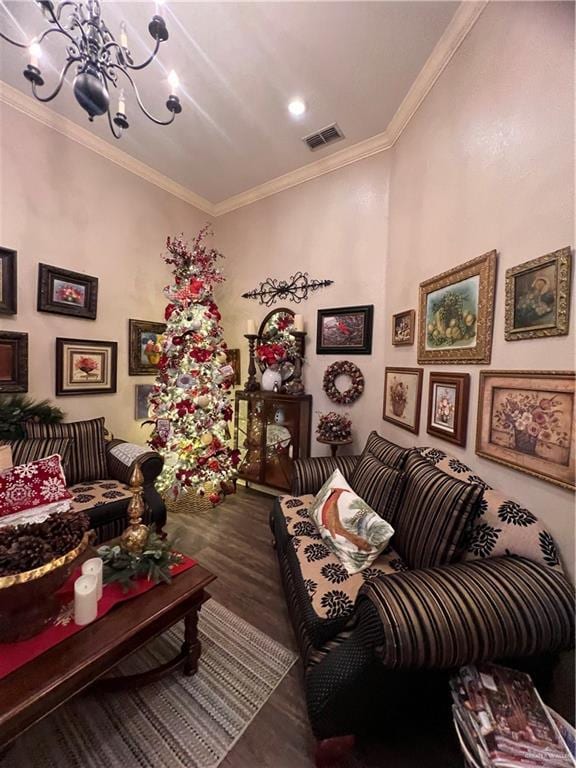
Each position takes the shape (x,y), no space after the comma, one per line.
(348,526)
(32,485)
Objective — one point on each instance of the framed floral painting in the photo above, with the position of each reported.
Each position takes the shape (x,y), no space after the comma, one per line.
(144,347)
(346,330)
(403,328)
(448,406)
(402,396)
(538,297)
(13,361)
(8,282)
(456,313)
(141,403)
(85,367)
(526,420)
(63,292)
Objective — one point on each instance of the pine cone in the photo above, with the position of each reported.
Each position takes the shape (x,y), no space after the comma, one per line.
(31,552)
(7,562)
(7,536)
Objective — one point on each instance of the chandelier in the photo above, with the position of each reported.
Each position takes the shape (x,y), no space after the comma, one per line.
(100,60)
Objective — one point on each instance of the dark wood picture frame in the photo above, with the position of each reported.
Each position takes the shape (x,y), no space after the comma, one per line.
(13,361)
(411,315)
(49,276)
(460,382)
(233,356)
(362,347)
(136,328)
(62,386)
(418,374)
(8,282)
(141,391)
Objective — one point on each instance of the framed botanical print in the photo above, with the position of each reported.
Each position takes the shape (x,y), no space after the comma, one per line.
(85,367)
(402,396)
(141,402)
(13,361)
(233,356)
(538,297)
(63,292)
(456,313)
(346,330)
(526,420)
(403,328)
(8,282)
(448,406)
(144,347)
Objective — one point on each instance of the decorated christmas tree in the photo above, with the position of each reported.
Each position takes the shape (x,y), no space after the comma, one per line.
(190,404)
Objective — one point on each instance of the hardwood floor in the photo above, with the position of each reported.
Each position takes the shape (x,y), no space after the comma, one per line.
(234,542)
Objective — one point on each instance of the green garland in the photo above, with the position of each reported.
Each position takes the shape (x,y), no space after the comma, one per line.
(154,563)
(17,409)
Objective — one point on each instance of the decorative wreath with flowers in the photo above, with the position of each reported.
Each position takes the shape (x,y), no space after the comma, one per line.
(343,368)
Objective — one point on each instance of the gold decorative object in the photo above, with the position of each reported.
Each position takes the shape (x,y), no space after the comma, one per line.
(134,538)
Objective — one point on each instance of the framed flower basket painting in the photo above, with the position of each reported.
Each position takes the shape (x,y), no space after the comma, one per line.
(403,328)
(144,347)
(8,282)
(85,367)
(13,361)
(538,297)
(347,330)
(448,406)
(526,421)
(141,405)
(456,313)
(402,397)
(63,292)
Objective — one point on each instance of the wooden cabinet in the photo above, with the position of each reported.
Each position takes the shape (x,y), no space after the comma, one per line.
(270,431)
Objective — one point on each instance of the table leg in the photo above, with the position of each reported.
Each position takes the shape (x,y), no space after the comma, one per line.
(333,450)
(191,647)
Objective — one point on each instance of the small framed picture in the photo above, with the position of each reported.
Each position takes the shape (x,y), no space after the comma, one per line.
(347,330)
(233,356)
(403,328)
(402,397)
(8,282)
(538,297)
(63,292)
(13,361)
(448,406)
(85,367)
(141,401)
(145,347)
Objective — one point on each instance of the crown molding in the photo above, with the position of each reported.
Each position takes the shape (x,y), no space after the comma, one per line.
(43,114)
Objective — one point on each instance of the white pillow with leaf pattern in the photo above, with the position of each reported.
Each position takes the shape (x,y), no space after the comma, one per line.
(348,526)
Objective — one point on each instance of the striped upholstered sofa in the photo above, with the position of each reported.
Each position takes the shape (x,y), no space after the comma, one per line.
(483,582)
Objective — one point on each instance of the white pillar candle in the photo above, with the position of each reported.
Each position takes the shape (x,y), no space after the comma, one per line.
(85,600)
(94,567)
(250,327)
(298,323)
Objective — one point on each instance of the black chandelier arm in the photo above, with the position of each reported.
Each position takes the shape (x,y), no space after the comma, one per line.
(58,31)
(61,78)
(14,42)
(139,100)
(149,60)
(113,127)
(55,19)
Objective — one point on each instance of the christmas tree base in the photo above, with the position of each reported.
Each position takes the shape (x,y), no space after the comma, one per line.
(189,502)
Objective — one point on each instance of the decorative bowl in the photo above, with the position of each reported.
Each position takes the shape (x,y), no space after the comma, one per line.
(27,600)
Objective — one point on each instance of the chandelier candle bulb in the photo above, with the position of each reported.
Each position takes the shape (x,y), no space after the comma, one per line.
(298,323)
(85,600)
(94,567)
(122,102)
(174,81)
(251,327)
(123,36)
(35,53)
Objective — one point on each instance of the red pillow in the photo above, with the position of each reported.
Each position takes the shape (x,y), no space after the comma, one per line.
(32,485)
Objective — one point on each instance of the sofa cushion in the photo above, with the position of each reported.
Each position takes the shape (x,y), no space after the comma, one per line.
(122,458)
(501,525)
(32,449)
(88,455)
(385,451)
(433,514)
(86,496)
(379,485)
(31,485)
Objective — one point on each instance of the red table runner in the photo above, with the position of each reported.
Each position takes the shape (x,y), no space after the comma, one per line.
(14,655)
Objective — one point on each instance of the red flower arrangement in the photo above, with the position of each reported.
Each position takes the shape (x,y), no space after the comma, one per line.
(271,353)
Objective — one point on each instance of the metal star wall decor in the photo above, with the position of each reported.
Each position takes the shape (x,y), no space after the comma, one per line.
(295,289)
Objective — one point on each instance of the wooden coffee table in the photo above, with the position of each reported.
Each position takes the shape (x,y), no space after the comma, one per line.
(39,687)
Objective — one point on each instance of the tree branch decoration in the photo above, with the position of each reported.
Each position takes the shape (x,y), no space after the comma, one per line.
(295,289)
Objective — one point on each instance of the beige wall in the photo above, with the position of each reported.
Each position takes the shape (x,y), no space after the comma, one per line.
(62,204)
(488,162)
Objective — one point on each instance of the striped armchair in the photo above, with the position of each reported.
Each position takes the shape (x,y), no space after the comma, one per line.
(385,640)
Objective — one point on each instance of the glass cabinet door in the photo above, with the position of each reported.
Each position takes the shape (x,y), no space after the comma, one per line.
(281,419)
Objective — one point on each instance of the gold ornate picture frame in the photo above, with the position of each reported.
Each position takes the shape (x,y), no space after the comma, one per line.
(538,297)
(456,311)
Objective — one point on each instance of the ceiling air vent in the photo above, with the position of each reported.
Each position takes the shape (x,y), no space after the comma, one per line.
(325,136)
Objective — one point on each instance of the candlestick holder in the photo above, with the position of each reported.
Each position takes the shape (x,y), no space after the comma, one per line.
(251,385)
(135,536)
(296,386)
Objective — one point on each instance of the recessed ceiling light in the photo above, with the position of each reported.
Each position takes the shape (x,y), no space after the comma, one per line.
(297,107)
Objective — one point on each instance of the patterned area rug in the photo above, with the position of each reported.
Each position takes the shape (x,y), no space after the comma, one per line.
(180,722)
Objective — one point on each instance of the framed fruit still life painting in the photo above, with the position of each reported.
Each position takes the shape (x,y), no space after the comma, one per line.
(145,347)
(402,397)
(527,421)
(403,328)
(63,292)
(85,367)
(456,313)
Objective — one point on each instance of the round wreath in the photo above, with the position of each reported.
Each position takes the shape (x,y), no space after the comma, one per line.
(346,368)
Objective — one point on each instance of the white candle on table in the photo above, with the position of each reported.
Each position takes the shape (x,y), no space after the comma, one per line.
(93,567)
(85,600)
(298,323)
(250,327)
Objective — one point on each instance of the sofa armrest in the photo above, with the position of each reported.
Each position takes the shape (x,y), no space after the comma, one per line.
(310,474)
(464,613)
(122,458)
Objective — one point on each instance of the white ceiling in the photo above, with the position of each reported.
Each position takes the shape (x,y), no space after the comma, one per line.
(239,65)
